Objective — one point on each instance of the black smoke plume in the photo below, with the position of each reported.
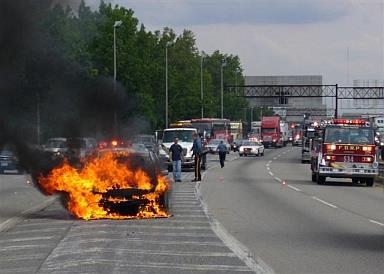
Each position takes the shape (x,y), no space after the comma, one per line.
(34,74)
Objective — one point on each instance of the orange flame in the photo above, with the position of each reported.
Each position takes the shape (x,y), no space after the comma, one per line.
(85,188)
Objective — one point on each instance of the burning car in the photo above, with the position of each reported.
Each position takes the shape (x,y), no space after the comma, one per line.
(123,182)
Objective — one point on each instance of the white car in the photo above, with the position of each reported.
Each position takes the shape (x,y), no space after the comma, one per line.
(213,144)
(251,148)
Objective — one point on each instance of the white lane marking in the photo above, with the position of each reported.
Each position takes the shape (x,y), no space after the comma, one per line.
(268,168)
(274,158)
(271,173)
(278,179)
(294,188)
(269,162)
(324,202)
(376,222)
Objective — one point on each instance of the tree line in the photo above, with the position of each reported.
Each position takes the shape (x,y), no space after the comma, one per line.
(86,37)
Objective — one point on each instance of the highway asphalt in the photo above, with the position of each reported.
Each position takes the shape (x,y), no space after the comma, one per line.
(37,235)
(294,225)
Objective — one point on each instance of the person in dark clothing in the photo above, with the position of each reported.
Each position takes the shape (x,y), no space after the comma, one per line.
(196,148)
(176,155)
(222,153)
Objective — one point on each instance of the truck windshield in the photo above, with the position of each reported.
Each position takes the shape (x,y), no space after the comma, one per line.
(349,135)
(182,135)
(268,130)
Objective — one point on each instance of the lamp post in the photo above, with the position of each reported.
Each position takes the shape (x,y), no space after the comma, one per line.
(166,83)
(223,64)
(115,25)
(203,55)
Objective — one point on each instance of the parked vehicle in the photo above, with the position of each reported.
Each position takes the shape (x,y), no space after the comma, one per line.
(251,148)
(9,162)
(213,128)
(238,130)
(212,145)
(148,140)
(185,141)
(284,129)
(57,147)
(270,131)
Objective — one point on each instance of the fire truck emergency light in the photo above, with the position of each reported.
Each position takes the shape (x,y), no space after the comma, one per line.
(349,122)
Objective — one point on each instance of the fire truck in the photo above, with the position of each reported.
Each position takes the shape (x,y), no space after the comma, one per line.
(344,149)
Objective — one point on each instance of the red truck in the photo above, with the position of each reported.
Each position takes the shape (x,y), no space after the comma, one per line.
(270,131)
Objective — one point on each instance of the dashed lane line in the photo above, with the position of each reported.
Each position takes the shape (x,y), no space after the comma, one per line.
(294,188)
(271,173)
(324,202)
(376,222)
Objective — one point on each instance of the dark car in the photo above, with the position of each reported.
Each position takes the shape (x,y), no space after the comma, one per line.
(148,140)
(8,161)
(56,147)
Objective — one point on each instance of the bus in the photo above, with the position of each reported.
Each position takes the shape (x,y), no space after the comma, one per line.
(213,128)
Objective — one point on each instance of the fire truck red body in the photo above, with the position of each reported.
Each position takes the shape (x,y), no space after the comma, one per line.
(346,149)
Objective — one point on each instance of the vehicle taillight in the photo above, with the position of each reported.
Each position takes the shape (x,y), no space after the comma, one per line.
(331,157)
(114,143)
(331,147)
(366,148)
(367,159)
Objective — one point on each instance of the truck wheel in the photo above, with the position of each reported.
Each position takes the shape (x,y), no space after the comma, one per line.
(320,179)
(369,182)
(355,180)
(303,161)
(262,154)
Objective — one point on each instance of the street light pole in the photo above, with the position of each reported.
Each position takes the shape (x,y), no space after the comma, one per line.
(223,63)
(202,84)
(166,83)
(115,25)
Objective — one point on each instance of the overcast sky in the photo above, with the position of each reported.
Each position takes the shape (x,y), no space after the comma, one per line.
(279,37)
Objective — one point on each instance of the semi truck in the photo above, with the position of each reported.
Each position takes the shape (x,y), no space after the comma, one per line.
(271,132)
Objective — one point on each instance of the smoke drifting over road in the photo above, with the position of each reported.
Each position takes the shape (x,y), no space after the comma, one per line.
(36,76)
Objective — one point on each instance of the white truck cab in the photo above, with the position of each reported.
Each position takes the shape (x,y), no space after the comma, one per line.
(185,141)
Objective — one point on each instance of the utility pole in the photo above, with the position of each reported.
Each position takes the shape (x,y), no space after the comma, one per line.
(115,25)
(223,64)
(166,83)
(202,84)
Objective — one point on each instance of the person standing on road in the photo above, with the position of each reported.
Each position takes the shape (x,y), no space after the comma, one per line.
(196,148)
(222,153)
(176,155)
